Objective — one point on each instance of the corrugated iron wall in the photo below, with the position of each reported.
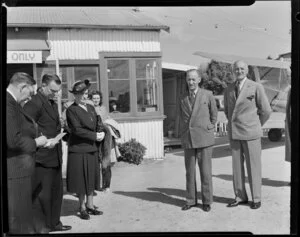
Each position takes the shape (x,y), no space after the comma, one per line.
(147,132)
(86,43)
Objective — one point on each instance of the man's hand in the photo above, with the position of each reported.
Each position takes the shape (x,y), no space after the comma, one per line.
(50,143)
(41,141)
(100,136)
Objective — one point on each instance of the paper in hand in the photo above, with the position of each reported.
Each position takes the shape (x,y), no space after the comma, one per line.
(53,141)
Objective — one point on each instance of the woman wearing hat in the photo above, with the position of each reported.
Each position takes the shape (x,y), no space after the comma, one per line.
(82,167)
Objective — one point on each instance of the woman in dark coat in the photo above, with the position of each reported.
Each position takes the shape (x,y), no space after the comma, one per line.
(82,167)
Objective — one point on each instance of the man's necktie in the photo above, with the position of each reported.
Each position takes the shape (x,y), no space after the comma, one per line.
(192,99)
(237,88)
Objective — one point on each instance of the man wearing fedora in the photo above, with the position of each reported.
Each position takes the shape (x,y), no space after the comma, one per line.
(48,185)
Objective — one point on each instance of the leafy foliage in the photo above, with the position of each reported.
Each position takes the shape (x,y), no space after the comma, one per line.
(132,151)
(216,77)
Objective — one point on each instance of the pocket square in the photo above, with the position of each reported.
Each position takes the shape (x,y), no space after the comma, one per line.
(250,97)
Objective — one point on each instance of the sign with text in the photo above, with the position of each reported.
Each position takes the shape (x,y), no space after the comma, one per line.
(24,56)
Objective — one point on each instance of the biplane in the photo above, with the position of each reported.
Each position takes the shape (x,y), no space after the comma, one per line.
(274,75)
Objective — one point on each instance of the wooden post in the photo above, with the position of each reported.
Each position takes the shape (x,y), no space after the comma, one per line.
(60,93)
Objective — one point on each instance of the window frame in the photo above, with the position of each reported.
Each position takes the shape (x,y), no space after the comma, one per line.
(132,57)
(70,68)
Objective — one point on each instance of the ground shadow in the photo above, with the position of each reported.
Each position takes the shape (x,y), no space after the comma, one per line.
(164,195)
(182,193)
(69,207)
(153,197)
(265,181)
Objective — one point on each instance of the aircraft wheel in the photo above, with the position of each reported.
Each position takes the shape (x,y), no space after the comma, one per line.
(275,134)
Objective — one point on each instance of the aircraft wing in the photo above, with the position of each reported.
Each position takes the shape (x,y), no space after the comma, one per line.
(227,58)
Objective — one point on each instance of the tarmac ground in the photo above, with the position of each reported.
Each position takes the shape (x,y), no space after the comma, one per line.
(148,197)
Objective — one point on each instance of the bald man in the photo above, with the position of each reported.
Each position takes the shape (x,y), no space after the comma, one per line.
(247,108)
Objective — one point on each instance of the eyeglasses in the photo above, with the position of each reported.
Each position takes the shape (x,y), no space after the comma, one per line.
(54,91)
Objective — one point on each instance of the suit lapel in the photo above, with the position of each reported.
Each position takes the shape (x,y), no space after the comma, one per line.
(243,92)
(186,104)
(48,106)
(198,100)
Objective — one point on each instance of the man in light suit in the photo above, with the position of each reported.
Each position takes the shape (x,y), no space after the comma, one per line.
(247,108)
(22,144)
(198,115)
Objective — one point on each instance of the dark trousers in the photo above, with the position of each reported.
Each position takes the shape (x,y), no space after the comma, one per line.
(20,211)
(106,177)
(203,157)
(48,182)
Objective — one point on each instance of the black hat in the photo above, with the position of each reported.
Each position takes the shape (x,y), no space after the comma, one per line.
(80,86)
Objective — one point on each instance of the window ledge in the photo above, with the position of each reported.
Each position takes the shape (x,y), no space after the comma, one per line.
(132,119)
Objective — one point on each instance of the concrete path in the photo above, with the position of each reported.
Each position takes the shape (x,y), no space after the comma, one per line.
(148,197)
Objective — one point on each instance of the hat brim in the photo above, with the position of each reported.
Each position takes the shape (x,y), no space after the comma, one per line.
(87,86)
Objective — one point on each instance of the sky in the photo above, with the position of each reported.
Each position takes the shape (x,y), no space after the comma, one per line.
(259,30)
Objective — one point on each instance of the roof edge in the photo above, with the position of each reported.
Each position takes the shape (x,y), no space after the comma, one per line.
(119,27)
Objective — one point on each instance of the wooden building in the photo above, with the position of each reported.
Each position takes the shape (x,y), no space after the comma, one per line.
(118,50)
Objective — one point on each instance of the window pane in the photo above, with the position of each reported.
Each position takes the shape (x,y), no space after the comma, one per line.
(93,87)
(146,95)
(42,70)
(64,90)
(118,69)
(119,100)
(86,72)
(146,68)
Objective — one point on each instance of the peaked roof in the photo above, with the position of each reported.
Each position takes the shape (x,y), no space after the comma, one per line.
(81,17)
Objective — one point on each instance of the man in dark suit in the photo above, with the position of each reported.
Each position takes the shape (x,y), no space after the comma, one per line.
(48,176)
(247,108)
(198,115)
(22,143)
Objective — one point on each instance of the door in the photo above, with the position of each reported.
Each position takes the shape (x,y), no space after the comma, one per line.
(170,100)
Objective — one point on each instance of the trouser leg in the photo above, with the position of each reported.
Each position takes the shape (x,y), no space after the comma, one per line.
(20,210)
(56,196)
(238,171)
(191,189)
(106,177)
(252,150)
(205,167)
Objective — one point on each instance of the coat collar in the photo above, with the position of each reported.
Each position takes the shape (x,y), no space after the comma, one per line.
(198,99)
(46,103)
(244,92)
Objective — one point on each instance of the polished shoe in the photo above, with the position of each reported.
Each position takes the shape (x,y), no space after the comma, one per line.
(93,211)
(236,203)
(255,205)
(84,215)
(187,207)
(206,207)
(61,228)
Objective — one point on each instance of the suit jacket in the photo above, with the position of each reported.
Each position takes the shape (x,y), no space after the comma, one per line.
(21,146)
(197,123)
(47,118)
(246,114)
(82,126)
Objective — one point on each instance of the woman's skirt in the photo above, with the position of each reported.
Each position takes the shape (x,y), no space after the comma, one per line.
(83,175)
